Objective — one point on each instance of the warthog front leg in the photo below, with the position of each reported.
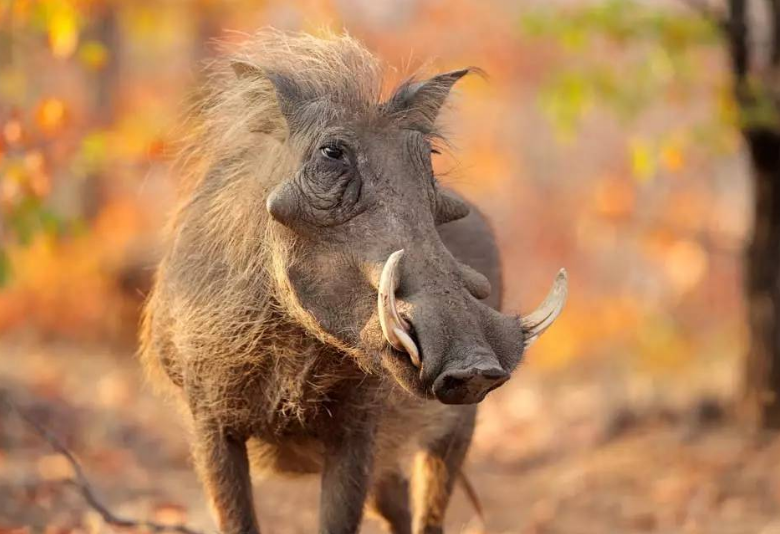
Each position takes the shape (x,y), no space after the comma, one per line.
(390,499)
(348,464)
(223,466)
(436,469)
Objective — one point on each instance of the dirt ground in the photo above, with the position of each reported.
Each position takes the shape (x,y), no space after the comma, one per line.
(554,453)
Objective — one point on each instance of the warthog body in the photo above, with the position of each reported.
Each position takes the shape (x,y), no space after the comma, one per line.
(300,338)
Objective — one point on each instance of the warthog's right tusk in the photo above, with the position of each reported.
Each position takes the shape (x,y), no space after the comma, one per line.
(394,328)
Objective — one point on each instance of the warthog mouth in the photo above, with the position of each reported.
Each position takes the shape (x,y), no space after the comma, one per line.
(466,377)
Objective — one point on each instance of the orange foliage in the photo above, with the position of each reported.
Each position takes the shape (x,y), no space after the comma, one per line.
(95,99)
(50,115)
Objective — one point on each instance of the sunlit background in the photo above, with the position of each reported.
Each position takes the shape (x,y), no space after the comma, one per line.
(602,140)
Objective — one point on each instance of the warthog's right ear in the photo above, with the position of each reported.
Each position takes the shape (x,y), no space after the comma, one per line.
(288,94)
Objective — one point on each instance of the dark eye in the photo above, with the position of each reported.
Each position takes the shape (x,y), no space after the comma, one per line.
(435,151)
(332,152)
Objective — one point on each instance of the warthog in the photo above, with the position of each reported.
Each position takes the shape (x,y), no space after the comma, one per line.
(324,305)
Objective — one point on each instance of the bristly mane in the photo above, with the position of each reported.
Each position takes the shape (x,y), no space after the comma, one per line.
(335,68)
(221,288)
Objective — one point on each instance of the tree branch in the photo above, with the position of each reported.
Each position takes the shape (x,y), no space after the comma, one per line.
(774,10)
(738,40)
(81,482)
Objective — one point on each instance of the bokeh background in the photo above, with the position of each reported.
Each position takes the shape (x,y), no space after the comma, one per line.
(604,139)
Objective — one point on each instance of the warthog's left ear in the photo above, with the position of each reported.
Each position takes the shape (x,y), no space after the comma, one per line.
(288,94)
(420,102)
(449,208)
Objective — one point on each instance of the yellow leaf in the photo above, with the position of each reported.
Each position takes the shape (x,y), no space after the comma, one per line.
(13,85)
(93,54)
(642,159)
(11,184)
(726,105)
(63,33)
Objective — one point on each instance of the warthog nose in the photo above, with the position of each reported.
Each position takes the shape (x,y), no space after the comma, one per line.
(469,385)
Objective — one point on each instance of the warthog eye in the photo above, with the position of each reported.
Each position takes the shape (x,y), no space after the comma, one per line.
(332,152)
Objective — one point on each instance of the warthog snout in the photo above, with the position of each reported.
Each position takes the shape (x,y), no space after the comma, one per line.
(470,384)
(460,348)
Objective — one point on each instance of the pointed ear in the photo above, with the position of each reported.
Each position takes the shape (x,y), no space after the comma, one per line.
(288,94)
(450,208)
(420,102)
(245,70)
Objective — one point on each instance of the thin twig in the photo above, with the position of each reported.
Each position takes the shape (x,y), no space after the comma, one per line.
(81,482)
(473,497)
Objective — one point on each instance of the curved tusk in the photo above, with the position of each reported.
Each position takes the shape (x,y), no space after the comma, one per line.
(542,317)
(394,327)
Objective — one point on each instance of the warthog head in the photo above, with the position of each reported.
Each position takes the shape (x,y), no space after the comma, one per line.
(358,205)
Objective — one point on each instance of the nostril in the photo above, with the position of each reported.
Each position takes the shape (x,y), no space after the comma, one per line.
(453,381)
(494,374)
(468,386)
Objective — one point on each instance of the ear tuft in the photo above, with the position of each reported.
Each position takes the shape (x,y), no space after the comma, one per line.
(245,70)
(420,102)
(288,94)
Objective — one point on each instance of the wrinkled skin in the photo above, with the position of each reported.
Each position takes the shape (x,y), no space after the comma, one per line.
(266,310)
(363,191)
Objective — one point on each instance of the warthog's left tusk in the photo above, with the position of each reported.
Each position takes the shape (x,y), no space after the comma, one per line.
(539,320)
(394,328)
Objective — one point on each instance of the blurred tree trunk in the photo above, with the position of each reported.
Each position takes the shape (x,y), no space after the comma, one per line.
(757,95)
(103,111)
(107,78)
(762,378)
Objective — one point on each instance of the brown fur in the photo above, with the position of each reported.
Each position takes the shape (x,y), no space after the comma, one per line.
(219,291)
(223,325)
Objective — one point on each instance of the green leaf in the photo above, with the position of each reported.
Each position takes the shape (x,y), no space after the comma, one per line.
(5,268)
(566,99)
(30,216)
(654,54)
